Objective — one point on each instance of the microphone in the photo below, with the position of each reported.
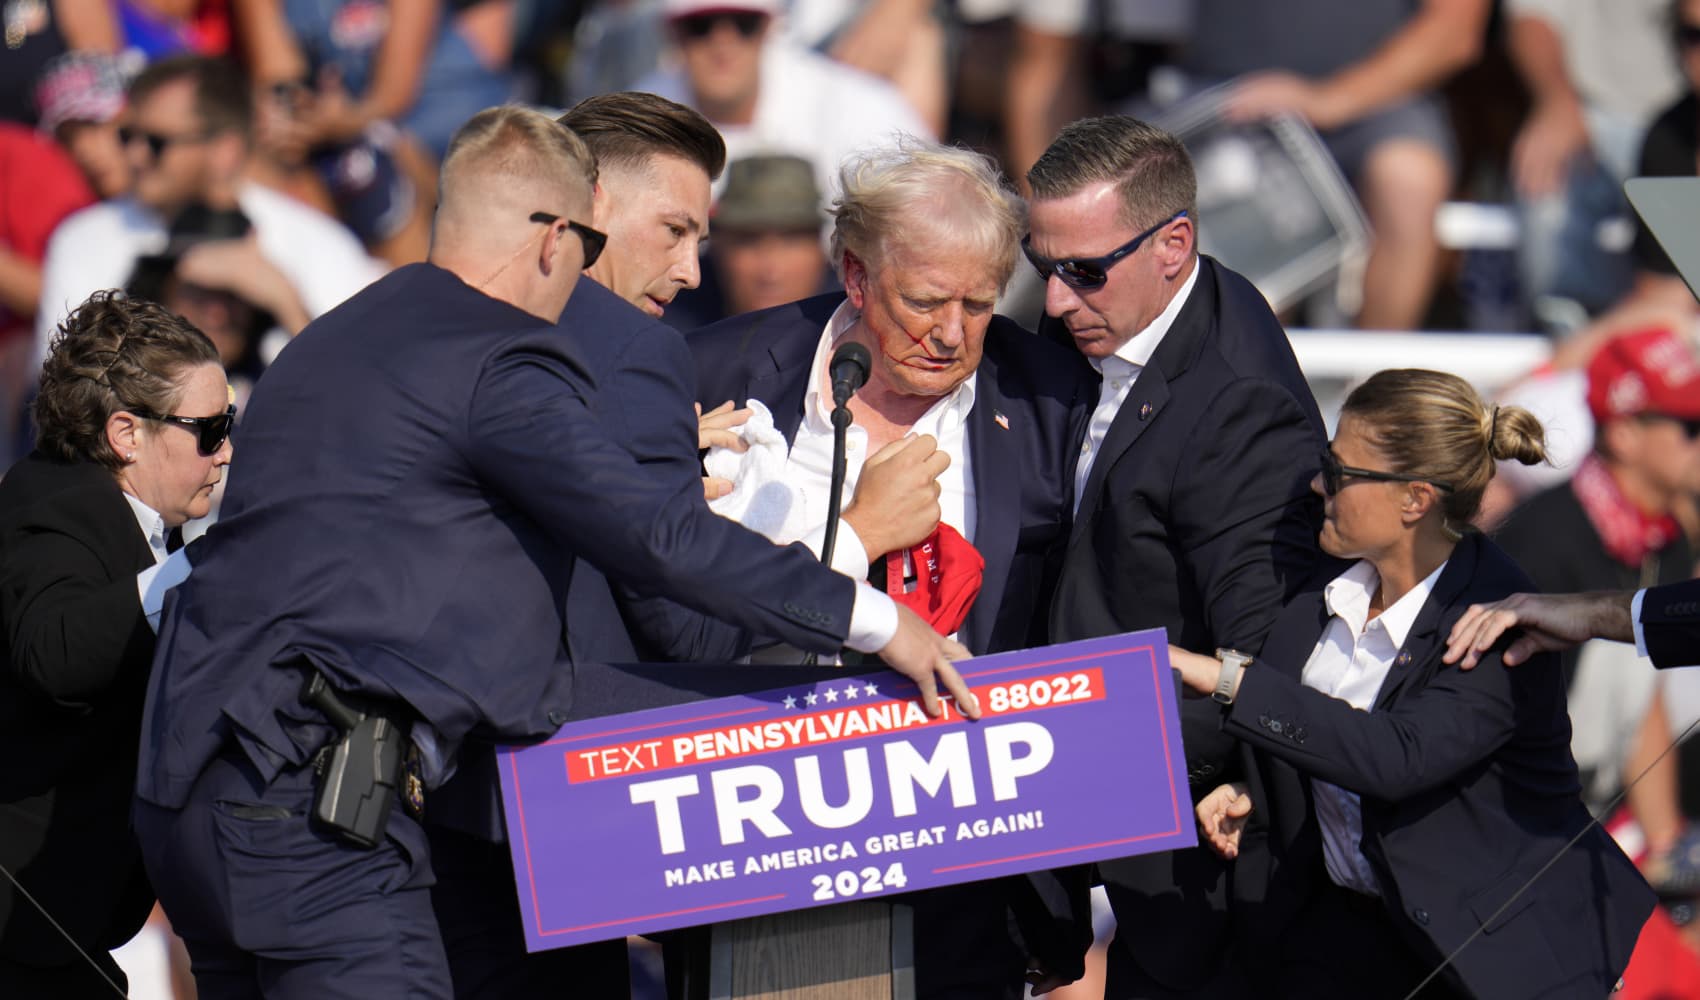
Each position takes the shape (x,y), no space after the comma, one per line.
(849,371)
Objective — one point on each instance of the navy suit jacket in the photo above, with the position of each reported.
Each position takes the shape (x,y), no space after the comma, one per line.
(419,470)
(644,382)
(1670,623)
(1468,788)
(1197,517)
(1023,473)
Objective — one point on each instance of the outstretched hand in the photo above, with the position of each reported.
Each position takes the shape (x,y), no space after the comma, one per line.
(1549,622)
(922,655)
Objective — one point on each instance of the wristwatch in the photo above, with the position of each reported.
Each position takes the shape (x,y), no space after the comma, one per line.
(1233,661)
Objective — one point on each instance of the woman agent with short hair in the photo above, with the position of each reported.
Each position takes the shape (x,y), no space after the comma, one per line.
(133,423)
(1408,807)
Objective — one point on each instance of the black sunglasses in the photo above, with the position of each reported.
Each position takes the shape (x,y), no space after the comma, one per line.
(210,432)
(1687,35)
(694,26)
(1691,428)
(1087,272)
(593,239)
(156,143)
(1334,475)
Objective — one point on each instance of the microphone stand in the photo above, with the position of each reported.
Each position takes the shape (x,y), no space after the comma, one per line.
(841,420)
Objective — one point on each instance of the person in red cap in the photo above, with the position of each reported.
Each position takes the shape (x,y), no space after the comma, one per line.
(1611,527)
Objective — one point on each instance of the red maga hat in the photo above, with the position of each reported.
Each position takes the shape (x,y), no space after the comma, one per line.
(948,573)
(1649,371)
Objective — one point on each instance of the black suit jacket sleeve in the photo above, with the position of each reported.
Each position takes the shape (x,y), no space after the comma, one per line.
(1456,721)
(72,613)
(1239,521)
(1670,624)
(533,438)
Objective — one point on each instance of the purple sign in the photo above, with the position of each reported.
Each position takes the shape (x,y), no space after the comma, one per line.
(805,796)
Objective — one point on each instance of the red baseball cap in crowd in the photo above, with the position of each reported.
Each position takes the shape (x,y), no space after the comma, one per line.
(675,9)
(1649,371)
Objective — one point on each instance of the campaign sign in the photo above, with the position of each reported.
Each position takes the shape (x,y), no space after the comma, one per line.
(736,807)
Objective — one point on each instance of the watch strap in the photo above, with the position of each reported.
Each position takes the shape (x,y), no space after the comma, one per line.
(1227,683)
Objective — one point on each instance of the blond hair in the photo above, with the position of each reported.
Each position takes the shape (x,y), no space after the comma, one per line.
(891,195)
(1434,425)
(510,144)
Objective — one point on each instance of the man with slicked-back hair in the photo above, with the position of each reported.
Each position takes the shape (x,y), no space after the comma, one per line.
(1192,503)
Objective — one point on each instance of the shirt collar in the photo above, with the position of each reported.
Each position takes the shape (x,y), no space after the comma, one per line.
(950,412)
(1347,597)
(152,525)
(1139,348)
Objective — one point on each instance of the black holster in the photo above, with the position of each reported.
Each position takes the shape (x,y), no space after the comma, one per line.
(356,776)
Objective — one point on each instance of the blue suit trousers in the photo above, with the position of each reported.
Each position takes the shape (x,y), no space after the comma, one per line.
(270,906)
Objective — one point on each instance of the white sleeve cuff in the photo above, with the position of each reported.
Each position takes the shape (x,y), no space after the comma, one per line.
(873,620)
(848,554)
(153,582)
(1635,622)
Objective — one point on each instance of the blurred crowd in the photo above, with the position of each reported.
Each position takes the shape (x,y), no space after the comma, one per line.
(1537,107)
(252,163)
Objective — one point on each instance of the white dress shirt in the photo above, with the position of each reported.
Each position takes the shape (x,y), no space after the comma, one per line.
(1350,662)
(795,509)
(1119,371)
(809,464)
(168,570)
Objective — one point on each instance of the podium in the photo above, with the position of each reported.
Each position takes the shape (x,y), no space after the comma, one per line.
(852,951)
(774,836)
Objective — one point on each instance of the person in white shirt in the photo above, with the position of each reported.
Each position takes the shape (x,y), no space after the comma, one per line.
(187,135)
(1411,806)
(769,95)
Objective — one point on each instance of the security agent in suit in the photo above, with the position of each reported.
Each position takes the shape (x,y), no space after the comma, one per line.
(926,237)
(87,524)
(1663,622)
(655,161)
(422,471)
(1193,511)
(1419,814)
(1451,838)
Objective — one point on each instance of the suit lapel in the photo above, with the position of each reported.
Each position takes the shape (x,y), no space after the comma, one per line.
(1289,645)
(783,381)
(1422,642)
(1150,391)
(998,464)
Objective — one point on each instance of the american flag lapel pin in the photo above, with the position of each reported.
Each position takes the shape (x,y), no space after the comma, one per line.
(1001,420)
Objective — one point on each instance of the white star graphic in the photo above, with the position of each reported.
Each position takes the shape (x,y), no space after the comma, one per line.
(810,698)
(831,694)
(850,691)
(870,690)
(790,702)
